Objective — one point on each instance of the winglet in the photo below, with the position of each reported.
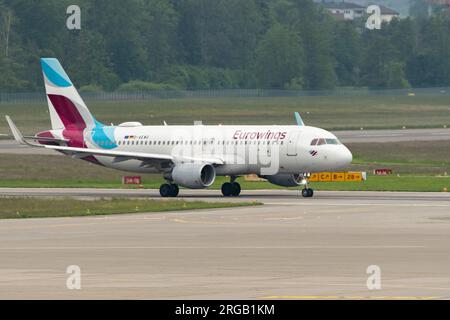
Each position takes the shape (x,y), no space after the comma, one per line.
(16,133)
(299,119)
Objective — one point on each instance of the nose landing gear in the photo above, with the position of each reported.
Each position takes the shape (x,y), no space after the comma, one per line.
(307,193)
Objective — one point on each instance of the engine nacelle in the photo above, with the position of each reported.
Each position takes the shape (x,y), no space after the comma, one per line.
(285,179)
(193,175)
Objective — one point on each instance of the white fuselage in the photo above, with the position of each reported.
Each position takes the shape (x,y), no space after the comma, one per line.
(264,150)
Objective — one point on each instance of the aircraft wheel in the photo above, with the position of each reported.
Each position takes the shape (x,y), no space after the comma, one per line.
(227,189)
(165,190)
(174,190)
(236,189)
(307,193)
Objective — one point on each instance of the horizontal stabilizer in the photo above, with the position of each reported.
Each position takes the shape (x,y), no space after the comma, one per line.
(49,139)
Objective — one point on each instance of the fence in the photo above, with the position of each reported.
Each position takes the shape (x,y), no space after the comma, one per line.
(39,97)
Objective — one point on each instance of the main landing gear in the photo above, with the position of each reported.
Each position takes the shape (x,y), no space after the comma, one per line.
(168,190)
(231,189)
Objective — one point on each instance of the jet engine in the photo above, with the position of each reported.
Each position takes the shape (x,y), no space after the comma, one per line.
(285,179)
(193,175)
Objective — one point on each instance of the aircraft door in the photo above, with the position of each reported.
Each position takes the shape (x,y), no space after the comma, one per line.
(292,140)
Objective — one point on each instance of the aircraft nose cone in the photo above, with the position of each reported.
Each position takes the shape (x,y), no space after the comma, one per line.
(343,157)
(346,156)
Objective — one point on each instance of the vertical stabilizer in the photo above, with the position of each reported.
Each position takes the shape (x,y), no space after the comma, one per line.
(67,109)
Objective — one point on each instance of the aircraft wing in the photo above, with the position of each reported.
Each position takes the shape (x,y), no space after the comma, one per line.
(16,133)
(109,153)
(126,155)
(118,155)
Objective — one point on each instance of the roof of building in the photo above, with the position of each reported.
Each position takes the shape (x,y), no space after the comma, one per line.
(338,16)
(386,10)
(349,5)
(342,5)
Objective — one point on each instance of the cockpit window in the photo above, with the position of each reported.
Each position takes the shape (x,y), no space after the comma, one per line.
(323,141)
(332,141)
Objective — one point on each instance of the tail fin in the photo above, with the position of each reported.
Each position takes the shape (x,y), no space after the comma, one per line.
(67,109)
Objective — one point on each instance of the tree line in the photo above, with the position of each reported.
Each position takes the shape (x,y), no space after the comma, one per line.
(136,45)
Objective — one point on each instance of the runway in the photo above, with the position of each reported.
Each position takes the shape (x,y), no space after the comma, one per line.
(392,135)
(11,147)
(290,248)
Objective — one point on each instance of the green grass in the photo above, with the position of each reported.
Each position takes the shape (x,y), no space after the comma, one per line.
(424,183)
(326,112)
(390,183)
(18,207)
(422,166)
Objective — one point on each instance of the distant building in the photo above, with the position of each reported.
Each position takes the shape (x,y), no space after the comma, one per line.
(351,11)
(345,10)
(388,14)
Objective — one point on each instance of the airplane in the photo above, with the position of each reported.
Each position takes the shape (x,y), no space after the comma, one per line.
(190,156)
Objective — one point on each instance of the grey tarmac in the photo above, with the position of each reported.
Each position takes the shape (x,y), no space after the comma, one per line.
(289,248)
